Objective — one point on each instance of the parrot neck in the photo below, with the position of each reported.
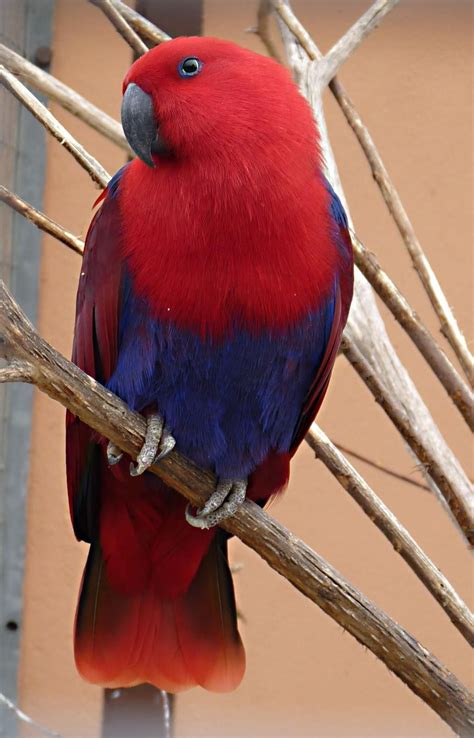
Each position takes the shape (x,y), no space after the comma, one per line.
(213,253)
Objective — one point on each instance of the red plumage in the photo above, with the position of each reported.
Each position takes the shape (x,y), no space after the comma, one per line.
(232,230)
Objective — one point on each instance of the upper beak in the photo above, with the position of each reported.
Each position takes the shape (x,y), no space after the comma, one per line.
(140,125)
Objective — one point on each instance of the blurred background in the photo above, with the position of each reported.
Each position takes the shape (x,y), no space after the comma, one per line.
(412,82)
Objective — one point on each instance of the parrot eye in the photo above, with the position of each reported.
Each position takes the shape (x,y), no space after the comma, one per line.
(189,67)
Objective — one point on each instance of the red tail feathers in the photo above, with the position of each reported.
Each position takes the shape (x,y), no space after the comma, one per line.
(173,643)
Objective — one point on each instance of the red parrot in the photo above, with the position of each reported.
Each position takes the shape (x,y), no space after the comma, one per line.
(216,282)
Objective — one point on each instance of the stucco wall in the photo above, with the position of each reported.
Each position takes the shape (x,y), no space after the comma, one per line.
(412,83)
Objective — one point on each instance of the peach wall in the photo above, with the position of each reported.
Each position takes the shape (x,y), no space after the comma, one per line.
(412,82)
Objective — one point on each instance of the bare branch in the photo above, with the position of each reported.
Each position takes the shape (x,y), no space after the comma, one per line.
(449,325)
(459,500)
(392,529)
(126,31)
(26,718)
(365,328)
(458,391)
(64,96)
(262,29)
(381,467)
(17,371)
(47,119)
(41,220)
(307,571)
(345,47)
(143,26)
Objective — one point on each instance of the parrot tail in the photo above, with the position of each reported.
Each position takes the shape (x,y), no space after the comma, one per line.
(126,639)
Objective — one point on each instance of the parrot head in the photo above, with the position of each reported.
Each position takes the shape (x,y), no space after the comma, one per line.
(208,98)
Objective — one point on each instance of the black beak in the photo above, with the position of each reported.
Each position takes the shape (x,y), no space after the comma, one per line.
(140,125)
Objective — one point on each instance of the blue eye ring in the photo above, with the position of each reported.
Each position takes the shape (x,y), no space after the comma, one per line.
(189,67)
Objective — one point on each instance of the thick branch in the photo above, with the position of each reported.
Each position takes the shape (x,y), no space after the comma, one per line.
(458,391)
(47,119)
(64,96)
(394,531)
(41,220)
(345,47)
(308,572)
(126,31)
(17,371)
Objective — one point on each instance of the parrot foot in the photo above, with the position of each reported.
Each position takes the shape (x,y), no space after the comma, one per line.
(158,444)
(114,454)
(223,502)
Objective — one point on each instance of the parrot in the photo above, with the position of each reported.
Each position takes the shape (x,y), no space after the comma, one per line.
(216,281)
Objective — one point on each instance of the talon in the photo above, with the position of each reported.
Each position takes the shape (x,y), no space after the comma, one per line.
(224,502)
(158,443)
(114,454)
(167,444)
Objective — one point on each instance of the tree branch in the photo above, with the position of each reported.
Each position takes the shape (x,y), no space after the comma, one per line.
(307,571)
(457,390)
(394,531)
(47,119)
(459,500)
(441,586)
(17,371)
(69,99)
(41,220)
(365,328)
(144,27)
(117,20)
(381,467)
(345,47)
(449,326)
(426,436)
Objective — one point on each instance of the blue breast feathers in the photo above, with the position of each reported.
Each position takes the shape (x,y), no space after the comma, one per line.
(227,403)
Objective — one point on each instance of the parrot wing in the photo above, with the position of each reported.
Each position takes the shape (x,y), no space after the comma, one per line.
(94,350)
(341,302)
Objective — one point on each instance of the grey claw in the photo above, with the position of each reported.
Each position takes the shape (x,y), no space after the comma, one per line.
(114,454)
(157,437)
(224,502)
(167,444)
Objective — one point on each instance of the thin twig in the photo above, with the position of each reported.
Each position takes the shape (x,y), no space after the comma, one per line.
(47,119)
(381,467)
(26,718)
(365,328)
(308,572)
(125,30)
(262,29)
(460,503)
(41,220)
(449,326)
(68,98)
(399,537)
(345,47)
(457,390)
(144,27)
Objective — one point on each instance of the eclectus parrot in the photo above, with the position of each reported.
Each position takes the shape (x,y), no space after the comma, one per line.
(216,282)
